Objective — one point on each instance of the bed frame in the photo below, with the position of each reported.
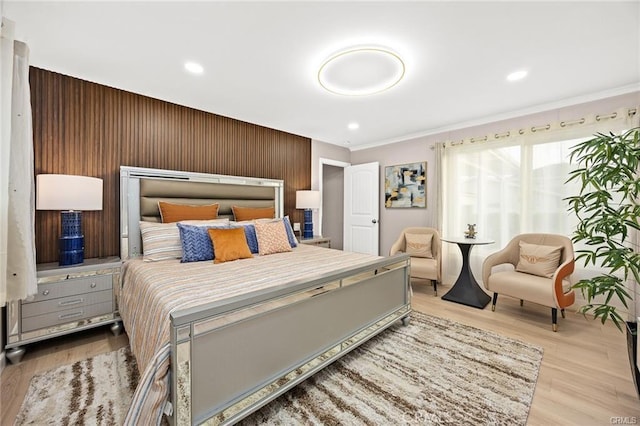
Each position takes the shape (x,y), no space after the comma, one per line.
(229,358)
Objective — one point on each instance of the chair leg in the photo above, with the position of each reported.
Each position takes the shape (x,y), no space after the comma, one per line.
(521,302)
(554,319)
(435,287)
(562,312)
(493,304)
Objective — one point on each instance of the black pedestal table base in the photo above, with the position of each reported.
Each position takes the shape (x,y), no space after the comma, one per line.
(466,289)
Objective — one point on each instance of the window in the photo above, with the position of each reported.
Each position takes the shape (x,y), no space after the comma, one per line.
(505,188)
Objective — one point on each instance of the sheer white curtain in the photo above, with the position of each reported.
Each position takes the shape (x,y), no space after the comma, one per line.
(20,210)
(434,212)
(513,183)
(6,73)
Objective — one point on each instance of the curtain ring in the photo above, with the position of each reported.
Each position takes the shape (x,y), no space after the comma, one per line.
(601,117)
(535,129)
(571,123)
(521,131)
(474,140)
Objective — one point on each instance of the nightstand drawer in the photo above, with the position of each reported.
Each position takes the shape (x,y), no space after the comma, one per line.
(317,241)
(68,315)
(71,287)
(65,303)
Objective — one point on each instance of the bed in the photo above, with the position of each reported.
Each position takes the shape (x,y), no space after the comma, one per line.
(215,342)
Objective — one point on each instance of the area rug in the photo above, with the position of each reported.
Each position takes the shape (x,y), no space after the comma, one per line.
(95,391)
(433,371)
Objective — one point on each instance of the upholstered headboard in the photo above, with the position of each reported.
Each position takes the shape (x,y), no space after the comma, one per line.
(142,188)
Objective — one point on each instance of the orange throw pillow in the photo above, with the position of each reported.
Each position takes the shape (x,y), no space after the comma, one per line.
(229,244)
(170,212)
(250,213)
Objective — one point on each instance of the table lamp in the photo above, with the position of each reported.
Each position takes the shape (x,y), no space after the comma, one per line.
(307,200)
(71,194)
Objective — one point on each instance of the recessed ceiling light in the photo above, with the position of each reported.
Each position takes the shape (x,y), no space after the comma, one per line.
(361,71)
(353,126)
(193,67)
(517,75)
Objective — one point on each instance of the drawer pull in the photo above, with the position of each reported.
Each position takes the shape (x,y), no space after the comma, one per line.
(93,285)
(71,302)
(45,293)
(75,314)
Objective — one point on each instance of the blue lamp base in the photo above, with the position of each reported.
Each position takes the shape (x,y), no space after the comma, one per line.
(307,230)
(71,240)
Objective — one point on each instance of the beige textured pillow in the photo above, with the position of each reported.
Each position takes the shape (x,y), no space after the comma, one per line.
(419,245)
(272,237)
(538,260)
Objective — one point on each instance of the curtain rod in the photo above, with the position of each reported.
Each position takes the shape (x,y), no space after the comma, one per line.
(630,112)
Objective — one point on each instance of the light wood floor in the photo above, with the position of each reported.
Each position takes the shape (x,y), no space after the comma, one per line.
(584,378)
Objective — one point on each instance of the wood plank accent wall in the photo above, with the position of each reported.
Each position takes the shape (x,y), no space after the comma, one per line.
(88,129)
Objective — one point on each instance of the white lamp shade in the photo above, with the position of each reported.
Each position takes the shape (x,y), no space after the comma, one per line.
(68,192)
(307,199)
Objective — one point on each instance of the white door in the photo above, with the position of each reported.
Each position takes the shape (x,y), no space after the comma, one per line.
(361,197)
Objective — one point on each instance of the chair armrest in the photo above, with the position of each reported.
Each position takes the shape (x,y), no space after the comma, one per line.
(498,258)
(397,246)
(564,270)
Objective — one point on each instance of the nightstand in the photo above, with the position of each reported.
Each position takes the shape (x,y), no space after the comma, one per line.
(317,240)
(69,299)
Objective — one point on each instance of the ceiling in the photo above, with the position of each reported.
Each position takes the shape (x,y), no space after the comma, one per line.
(261,59)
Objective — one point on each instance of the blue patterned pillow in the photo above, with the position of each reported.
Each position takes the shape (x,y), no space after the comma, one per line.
(196,243)
(290,235)
(250,234)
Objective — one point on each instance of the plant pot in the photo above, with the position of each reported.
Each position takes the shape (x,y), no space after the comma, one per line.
(632,347)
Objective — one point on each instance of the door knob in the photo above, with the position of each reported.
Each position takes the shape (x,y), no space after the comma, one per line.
(374,221)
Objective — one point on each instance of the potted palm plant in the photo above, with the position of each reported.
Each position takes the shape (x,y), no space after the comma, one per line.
(608,216)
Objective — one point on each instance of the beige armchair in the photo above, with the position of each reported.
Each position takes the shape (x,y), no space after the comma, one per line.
(425,248)
(540,268)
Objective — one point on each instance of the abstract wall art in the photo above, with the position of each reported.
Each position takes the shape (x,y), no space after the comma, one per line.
(404,185)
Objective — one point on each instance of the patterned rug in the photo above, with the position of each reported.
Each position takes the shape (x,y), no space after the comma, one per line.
(96,391)
(433,371)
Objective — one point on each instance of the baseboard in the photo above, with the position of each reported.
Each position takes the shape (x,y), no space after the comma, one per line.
(3,361)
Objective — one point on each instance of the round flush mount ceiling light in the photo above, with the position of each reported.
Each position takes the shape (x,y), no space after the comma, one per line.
(361,71)
(193,67)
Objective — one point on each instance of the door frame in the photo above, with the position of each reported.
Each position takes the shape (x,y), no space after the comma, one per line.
(321,164)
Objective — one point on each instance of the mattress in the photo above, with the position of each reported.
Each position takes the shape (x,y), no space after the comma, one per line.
(152,290)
